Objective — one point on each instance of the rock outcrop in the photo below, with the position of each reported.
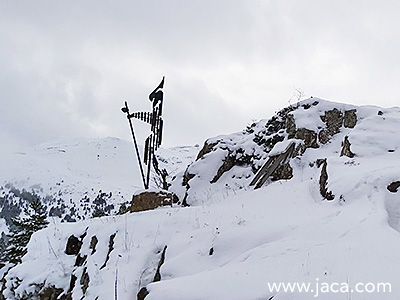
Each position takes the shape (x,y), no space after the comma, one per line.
(346,148)
(253,147)
(323,180)
(350,118)
(151,200)
(393,187)
(73,246)
(207,148)
(227,164)
(277,167)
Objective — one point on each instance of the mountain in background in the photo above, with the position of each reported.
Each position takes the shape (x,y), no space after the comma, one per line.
(77,179)
(308,196)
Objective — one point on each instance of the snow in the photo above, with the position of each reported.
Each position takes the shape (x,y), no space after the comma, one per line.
(283,232)
(86,163)
(256,239)
(3,227)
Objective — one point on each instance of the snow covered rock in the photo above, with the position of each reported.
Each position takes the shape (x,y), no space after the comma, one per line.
(148,200)
(234,159)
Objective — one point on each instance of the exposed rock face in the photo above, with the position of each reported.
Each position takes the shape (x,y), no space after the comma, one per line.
(51,293)
(290,126)
(110,248)
(393,187)
(73,245)
(308,105)
(283,172)
(72,283)
(93,244)
(40,292)
(308,136)
(252,147)
(207,148)
(142,293)
(152,200)
(186,178)
(323,136)
(157,276)
(185,182)
(333,120)
(346,148)
(323,180)
(80,260)
(227,164)
(85,280)
(2,286)
(350,118)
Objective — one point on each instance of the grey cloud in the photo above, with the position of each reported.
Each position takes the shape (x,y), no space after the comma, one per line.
(67,67)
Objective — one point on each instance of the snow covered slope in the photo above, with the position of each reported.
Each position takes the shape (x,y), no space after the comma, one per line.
(234,241)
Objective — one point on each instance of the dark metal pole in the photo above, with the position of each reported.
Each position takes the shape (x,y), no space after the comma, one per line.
(146,185)
(150,157)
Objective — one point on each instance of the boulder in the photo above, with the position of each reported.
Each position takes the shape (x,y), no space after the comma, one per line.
(308,136)
(333,120)
(151,200)
(73,245)
(393,187)
(350,118)
(142,293)
(323,136)
(282,172)
(346,148)
(51,293)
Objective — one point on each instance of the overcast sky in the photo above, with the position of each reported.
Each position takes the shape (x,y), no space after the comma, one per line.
(66,67)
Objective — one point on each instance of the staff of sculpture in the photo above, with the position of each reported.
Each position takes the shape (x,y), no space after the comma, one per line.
(153,141)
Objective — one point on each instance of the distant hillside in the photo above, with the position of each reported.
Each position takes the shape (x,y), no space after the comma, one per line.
(78,178)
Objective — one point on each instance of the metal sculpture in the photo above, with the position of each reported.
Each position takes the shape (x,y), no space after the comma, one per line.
(153,141)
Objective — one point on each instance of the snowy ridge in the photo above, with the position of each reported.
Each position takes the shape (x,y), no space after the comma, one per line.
(240,155)
(233,240)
